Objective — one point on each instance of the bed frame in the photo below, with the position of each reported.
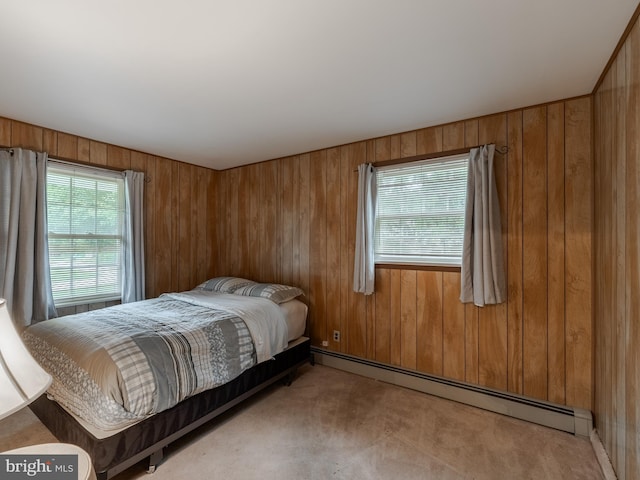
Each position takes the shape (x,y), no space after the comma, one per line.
(148,438)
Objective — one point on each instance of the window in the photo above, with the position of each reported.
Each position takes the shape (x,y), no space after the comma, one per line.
(85,209)
(420,212)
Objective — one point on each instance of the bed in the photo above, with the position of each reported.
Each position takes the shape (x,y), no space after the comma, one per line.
(130,379)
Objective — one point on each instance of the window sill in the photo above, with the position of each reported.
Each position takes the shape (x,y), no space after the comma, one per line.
(418,266)
(87,301)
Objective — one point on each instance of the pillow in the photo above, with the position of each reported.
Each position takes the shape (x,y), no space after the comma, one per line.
(224,284)
(274,292)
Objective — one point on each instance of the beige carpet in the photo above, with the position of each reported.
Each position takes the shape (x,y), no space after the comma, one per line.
(332,424)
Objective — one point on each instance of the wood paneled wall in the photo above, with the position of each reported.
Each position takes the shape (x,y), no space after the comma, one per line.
(180,214)
(292,220)
(617,259)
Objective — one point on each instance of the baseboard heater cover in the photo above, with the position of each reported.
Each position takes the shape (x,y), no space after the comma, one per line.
(568,419)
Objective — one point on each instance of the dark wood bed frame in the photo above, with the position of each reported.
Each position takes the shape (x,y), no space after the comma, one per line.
(148,438)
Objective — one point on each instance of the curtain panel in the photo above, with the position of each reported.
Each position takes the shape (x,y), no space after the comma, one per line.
(364,272)
(24,252)
(482,270)
(133,274)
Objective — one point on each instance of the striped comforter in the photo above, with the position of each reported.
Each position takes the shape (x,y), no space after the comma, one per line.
(116,366)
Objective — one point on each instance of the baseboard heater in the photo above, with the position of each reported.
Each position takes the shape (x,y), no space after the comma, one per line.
(573,420)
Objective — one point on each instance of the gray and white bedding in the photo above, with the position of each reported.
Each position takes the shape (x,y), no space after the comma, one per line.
(116,366)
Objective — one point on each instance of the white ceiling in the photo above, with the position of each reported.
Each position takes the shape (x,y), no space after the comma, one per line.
(222,83)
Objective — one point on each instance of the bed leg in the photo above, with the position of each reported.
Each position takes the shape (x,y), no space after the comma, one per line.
(312,360)
(288,378)
(154,460)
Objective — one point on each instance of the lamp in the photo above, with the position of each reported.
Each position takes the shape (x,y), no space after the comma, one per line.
(22,380)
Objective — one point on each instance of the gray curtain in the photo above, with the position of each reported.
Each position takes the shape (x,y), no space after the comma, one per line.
(133,245)
(482,272)
(364,266)
(24,251)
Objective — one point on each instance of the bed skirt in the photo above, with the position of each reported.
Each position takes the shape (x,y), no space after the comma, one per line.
(113,454)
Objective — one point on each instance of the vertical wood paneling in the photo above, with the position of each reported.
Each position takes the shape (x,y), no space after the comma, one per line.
(163,226)
(270,220)
(5,132)
(370,299)
(174,196)
(492,335)
(185,232)
(304,216)
(535,251)
(149,226)
(629,436)
(292,220)
(244,214)
(26,136)
(395,308)
(429,317)
(342,277)
(619,265)
(219,205)
(616,280)
(318,245)
(200,190)
(383,316)
(578,279)
(67,146)
(176,201)
(231,222)
(98,153)
(251,266)
(333,255)
(471,313)
(356,320)
(295,220)
(453,311)
(408,318)
(84,150)
(555,250)
(286,244)
(514,249)
(117,157)
(607,236)
(50,142)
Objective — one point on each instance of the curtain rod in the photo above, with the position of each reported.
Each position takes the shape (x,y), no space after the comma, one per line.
(78,163)
(459,151)
(81,163)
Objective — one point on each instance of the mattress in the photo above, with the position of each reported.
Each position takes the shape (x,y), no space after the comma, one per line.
(295,314)
(102,434)
(113,454)
(119,365)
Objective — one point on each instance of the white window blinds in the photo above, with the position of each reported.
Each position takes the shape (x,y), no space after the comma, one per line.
(85,210)
(420,212)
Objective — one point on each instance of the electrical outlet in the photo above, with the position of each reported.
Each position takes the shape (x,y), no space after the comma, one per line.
(325,343)
(336,335)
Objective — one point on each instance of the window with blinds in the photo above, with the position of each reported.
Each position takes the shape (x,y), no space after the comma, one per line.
(420,212)
(85,209)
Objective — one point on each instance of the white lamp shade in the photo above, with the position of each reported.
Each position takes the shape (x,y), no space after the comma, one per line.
(22,380)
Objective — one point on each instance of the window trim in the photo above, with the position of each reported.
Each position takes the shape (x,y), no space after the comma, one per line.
(443,263)
(91,172)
